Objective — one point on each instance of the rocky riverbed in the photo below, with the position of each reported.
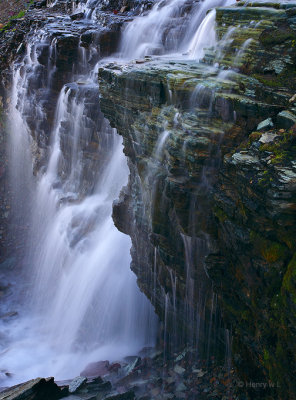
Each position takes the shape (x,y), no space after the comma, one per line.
(148,376)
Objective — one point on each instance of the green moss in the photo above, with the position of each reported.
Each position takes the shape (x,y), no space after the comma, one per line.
(266,355)
(265,180)
(288,240)
(272,252)
(272,81)
(20,14)
(278,158)
(269,250)
(282,149)
(255,136)
(220,214)
(289,281)
(277,35)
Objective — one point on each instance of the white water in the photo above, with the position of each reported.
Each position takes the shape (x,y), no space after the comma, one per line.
(89,8)
(205,37)
(79,301)
(169,29)
(146,33)
(240,54)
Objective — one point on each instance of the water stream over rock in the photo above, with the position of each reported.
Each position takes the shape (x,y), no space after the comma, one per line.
(77,299)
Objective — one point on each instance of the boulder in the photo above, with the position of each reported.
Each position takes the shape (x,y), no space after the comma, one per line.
(96,369)
(179,370)
(130,395)
(76,16)
(268,137)
(77,383)
(265,125)
(35,389)
(286,119)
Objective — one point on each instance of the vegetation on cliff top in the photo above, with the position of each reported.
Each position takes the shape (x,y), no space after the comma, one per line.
(12,9)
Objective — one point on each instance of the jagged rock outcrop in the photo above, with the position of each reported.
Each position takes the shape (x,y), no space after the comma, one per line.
(35,389)
(211,197)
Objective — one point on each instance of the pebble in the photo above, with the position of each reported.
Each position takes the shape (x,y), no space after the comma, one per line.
(200,373)
(181,387)
(179,370)
(76,384)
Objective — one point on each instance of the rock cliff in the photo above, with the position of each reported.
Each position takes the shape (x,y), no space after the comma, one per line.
(210,205)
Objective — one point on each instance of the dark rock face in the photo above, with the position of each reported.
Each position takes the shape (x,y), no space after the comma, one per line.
(36,389)
(211,200)
(254,207)
(4,214)
(163,207)
(10,46)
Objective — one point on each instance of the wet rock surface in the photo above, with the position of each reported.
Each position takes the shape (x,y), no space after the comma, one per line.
(35,389)
(215,147)
(181,376)
(260,178)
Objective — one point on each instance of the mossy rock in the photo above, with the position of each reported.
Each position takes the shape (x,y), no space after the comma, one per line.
(289,281)
(270,251)
(271,37)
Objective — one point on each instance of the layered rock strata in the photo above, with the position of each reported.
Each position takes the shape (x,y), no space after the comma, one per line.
(211,197)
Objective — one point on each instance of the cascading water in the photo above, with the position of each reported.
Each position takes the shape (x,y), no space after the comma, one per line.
(146,33)
(201,32)
(171,27)
(205,36)
(80,301)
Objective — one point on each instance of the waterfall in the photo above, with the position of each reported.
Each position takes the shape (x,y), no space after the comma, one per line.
(200,33)
(144,36)
(79,301)
(205,36)
(168,29)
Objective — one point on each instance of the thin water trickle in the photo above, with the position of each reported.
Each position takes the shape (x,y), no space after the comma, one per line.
(241,53)
(159,147)
(165,332)
(154,274)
